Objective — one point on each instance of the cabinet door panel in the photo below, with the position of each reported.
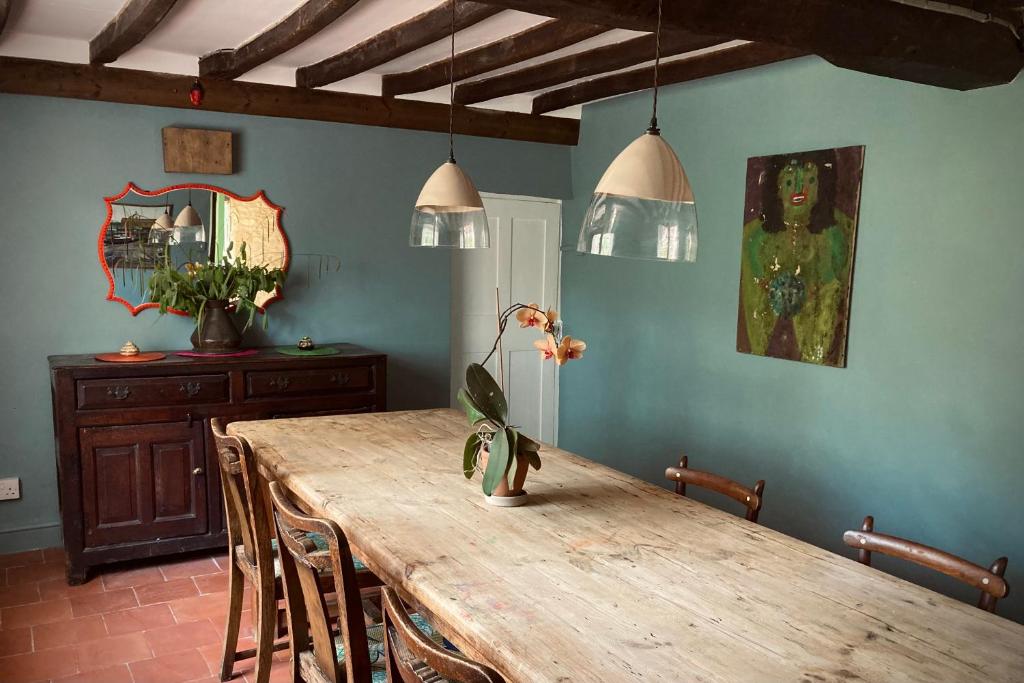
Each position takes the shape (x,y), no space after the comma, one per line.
(142,482)
(117,486)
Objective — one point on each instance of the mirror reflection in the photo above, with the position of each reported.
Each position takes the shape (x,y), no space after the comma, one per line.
(186,224)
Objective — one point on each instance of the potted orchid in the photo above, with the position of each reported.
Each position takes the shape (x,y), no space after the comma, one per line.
(497,448)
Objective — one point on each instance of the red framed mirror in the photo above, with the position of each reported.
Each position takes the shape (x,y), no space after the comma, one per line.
(187,223)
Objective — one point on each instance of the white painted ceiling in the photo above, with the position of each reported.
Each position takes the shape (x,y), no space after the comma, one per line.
(60,30)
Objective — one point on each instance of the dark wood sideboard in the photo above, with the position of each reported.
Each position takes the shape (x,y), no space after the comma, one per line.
(135,460)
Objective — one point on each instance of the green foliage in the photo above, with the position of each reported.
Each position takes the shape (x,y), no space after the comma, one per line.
(485,404)
(234,280)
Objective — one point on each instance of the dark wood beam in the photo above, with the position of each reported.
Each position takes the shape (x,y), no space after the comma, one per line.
(423,29)
(309,19)
(129,86)
(722,61)
(874,36)
(535,41)
(580,65)
(134,21)
(5,10)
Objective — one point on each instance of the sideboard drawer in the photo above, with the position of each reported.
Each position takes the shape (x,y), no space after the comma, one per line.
(151,391)
(267,384)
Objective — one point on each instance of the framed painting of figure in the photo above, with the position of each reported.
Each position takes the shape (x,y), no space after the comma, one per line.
(796,268)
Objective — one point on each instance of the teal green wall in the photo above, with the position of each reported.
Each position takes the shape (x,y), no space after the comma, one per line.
(924,428)
(347,190)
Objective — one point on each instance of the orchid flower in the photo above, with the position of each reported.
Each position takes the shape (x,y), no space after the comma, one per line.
(530,317)
(569,349)
(548,347)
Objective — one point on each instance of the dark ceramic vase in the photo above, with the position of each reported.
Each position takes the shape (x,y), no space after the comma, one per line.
(219,333)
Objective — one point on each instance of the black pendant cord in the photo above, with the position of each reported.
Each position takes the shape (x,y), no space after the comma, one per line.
(653,129)
(451,94)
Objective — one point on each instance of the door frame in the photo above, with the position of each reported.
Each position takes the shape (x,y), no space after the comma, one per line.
(558,285)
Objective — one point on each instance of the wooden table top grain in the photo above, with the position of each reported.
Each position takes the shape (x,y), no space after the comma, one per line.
(605,578)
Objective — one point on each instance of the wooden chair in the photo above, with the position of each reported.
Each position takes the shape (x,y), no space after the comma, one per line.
(250,554)
(356,654)
(989,581)
(414,658)
(683,475)
(253,557)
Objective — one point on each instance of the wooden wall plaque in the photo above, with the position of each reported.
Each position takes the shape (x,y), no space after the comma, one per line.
(194,150)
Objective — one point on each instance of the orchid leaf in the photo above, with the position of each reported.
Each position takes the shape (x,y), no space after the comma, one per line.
(497,464)
(486,393)
(475,415)
(532,457)
(469,455)
(513,462)
(527,444)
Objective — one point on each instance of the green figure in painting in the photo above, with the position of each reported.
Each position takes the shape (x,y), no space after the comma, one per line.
(797,259)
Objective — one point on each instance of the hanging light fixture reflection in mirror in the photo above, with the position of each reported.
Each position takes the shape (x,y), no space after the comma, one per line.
(643,206)
(162,228)
(449,211)
(188,226)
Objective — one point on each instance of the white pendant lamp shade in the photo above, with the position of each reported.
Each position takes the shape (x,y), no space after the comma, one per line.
(164,222)
(188,218)
(643,206)
(449,212)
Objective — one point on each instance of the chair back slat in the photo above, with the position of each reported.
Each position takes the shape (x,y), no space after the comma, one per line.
(412,657)
(749,497)
(989,581)
(301,564)
(233,488)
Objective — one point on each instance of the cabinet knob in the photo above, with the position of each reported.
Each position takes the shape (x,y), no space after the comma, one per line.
(197,471)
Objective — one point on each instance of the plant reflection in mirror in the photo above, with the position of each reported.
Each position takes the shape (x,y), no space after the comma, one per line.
(233,279)
(487,408)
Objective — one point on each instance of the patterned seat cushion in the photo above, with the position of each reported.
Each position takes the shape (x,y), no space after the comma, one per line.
(375,636)
(321,544)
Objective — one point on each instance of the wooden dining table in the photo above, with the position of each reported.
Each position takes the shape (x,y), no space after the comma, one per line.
(603,577)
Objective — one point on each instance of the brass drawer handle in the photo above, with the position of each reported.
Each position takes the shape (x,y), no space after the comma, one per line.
(119,392)
(190,388)
(339,378)
(280,383)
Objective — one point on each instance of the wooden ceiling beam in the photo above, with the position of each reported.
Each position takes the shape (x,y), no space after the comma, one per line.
(716,63)
(306,21)
(535,41)
(423,29)
(134,21)
(580,65)
(130,86)
(879,37)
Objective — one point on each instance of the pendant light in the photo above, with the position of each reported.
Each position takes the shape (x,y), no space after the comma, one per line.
(643,206)
(188,217)
(164,221)
(449,211)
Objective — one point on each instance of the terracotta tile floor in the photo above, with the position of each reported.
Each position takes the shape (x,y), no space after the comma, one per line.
(161,622)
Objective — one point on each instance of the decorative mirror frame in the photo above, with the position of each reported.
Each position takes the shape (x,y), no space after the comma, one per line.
(132,187)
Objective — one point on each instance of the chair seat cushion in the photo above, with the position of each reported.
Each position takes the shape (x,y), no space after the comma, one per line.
(375,636)
(321,544)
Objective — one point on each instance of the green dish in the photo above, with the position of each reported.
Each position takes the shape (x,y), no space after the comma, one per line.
(318,351)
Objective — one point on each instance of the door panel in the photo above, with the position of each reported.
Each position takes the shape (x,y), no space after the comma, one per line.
(117,486)
(523,265)
(142,482)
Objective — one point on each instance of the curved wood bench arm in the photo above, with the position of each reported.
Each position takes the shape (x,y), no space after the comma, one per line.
(749,497)
(989,581)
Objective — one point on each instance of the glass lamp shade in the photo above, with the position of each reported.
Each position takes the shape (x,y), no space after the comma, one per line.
(643,206)
(449,212)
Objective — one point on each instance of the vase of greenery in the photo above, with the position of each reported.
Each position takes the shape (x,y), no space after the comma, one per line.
(211,293)
(497,448)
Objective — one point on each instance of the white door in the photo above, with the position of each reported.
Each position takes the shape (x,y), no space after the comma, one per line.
(523,264)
